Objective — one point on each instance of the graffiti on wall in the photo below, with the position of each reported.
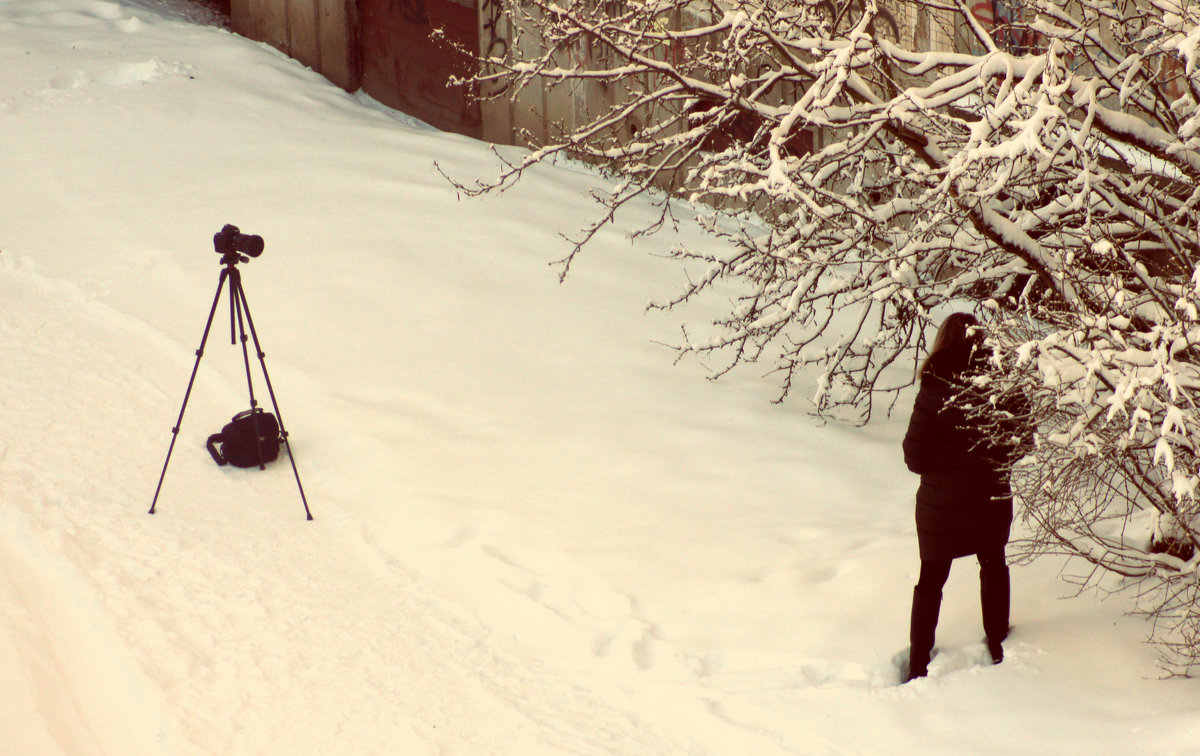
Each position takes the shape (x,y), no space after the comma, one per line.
(494,40)
(407,66)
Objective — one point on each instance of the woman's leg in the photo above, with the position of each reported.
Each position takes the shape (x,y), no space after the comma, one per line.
(927,603)
(994,595)
(934,573)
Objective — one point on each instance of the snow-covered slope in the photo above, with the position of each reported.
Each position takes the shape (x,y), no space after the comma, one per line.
(534,533)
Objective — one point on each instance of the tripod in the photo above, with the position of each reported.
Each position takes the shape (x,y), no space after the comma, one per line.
(239,317)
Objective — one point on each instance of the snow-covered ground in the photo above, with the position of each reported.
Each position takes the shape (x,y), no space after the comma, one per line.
(534,534)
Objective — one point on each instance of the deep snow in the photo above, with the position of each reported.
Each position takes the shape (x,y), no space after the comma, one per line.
(534,533)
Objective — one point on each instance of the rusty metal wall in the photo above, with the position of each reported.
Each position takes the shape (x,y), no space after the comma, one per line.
(405,66)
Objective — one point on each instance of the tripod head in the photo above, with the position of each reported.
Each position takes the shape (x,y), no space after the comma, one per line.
(233,245)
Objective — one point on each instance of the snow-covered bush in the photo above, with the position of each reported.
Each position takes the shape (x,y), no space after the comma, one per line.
(871,166)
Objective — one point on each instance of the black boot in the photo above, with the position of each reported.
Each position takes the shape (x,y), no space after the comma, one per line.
(994,590)
(921,631)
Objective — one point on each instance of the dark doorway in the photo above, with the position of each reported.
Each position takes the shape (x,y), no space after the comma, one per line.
(213,12)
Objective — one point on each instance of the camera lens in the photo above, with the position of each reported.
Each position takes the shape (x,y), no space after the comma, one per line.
(250,244)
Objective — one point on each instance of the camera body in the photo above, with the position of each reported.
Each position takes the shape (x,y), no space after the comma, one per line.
(231,241)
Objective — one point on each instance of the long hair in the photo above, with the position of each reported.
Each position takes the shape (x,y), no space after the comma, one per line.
(959,333)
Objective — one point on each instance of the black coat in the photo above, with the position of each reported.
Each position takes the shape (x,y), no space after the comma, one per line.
(964,503)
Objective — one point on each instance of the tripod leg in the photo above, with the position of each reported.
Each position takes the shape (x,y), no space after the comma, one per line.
(236,308)
(191,381)
(240,293)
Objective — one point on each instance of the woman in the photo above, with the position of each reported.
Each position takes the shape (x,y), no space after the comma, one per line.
(964,503)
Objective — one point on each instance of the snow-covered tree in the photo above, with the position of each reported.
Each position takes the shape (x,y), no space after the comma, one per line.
(872,165)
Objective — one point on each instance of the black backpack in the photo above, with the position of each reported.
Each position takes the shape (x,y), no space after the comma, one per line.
(238,445)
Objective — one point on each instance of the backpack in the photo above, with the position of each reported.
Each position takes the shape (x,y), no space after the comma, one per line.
(238,445)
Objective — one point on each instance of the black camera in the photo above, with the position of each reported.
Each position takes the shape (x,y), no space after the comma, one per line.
(230,240)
